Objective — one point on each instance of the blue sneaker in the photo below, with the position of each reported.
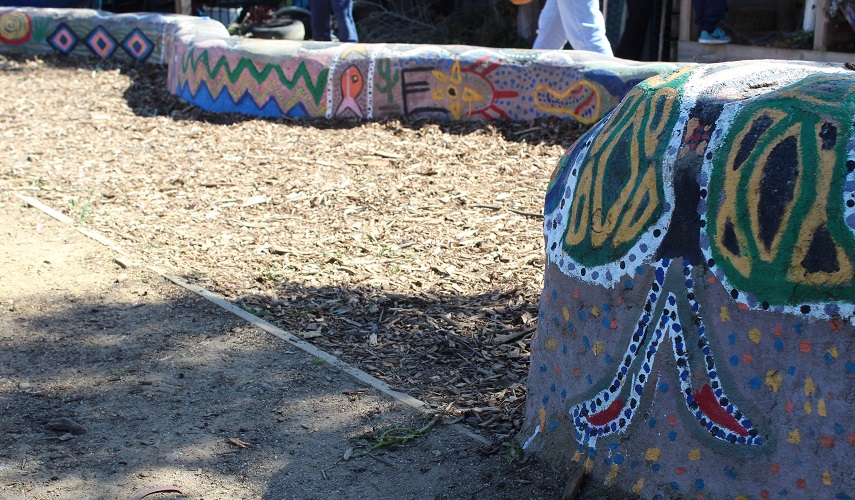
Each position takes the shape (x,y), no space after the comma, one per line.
(718,36)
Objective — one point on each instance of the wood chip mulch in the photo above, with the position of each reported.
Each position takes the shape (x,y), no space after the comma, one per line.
(410,248)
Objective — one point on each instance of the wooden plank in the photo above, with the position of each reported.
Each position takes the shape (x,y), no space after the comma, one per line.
(700,53)
(820,32)
(685,20)
(662,30)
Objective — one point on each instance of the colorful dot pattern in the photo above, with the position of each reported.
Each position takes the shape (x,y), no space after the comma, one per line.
(779,377)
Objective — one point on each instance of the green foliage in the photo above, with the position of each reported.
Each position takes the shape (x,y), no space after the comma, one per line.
(255,312)
(81,209)
(514,452)
(395,435)
(271,274)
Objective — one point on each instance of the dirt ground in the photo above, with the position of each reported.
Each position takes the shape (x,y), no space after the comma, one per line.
(410,249)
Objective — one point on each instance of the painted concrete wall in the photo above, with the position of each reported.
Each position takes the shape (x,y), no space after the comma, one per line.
(696,326)
(309,79)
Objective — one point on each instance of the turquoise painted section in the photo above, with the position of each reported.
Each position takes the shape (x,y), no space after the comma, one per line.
(220,73)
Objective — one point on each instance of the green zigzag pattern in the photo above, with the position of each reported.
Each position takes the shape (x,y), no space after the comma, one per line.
(316,89)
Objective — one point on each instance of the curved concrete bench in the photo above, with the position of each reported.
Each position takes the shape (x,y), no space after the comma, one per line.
(309,79)
(695,333)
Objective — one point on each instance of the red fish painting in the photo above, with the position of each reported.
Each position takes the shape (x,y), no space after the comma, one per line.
(352,83)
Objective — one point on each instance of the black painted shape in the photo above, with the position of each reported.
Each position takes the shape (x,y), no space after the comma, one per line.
(416,87)
(760,125)
(777,185)
(822,253)
(729,240)
(618,168)
(828,134)
(683,237)
(707,111)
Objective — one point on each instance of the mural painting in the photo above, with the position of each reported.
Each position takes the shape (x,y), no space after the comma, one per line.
(310,79)
(127,37)
(453,83)
(217,81)
(695,332)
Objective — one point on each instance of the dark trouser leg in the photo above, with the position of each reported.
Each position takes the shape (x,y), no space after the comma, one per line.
(638,14)
(343,10)
(321,20)
(708,13)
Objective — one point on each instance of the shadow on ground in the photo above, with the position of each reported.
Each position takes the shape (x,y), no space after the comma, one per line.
(174,391)
(178,392)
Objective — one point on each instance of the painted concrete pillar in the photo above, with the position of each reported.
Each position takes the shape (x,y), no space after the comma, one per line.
(695,333)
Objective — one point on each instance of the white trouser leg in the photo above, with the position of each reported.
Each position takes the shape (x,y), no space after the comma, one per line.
(584,25)
(550,32)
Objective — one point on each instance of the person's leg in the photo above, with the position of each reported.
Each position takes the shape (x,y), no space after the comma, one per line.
(183,7)
(321,20)
(631,43)
(343,10)
(708,13)
(584,25)
(716,10)
(550,33)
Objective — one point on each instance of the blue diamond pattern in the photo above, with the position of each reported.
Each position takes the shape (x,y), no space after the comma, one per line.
(63,39)
(101,42)
(137,45)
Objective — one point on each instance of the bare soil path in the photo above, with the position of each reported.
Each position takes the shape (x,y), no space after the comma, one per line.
(410,249)
(171,391)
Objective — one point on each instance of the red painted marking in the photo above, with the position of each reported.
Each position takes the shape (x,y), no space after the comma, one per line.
(777,330)
(575,372)
(584,104)
(672,420)
(851,439)
(680,471)
(805,346)
(711,280)
(709,405)
(558,370)
(836,324)
(801,484)
(775,468)
(489,69)
(607,415)
(827,441)
(613,324)
(742,306)
(788,407)
(747,358)
(764,494)
(576,293)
